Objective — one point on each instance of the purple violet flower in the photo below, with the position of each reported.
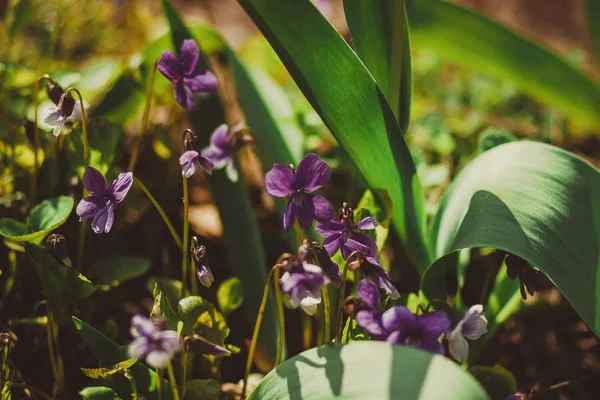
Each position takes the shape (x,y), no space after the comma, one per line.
(183,74)
(151,343)
(372,269)
(223,145)
(100,206)
(190,159)
(398,325)
(472,326)
(66,112)
(337,232)
(203,271)
(304,285)
(311,175)
(308,252)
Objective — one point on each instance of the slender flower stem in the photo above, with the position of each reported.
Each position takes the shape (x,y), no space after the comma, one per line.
(173,382)
(184,362)
(261,312)
(340,315)
(81,245)
(327,308)
(185,264)
(36,136)
(86,150)
(159,384)
(131,379)
(280,316)
(145,117)
(160,210)
(33,389)
(52,333)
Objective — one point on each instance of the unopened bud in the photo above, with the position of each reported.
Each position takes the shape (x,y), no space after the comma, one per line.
(66,105)
(55,92)
(201,261)
(56,245)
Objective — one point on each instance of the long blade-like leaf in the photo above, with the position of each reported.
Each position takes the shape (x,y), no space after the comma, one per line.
(533,200)
(592,13)
(368,370)
(475,41)
(350,103)
(245,251)
(380,36)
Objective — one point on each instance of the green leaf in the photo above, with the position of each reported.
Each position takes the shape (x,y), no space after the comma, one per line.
(103,138)
(351,104)
(592,14)
(497,381)
(163,308)
(475,41)
(202,389)
(43,219)
(64,285)
(533,200)
(171,289)
(230,295)
(112,271)
(379,32)
(99,393)
(368,370)
(244,248)
(97,373)
(199,316)
(110,353)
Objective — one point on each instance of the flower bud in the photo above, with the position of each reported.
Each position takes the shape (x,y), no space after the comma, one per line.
(56,245)
(201,261)
(55,92)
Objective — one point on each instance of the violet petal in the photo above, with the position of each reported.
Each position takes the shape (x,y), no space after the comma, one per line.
(104,218)
(332,243)
(170,66)
(279,181)
(189,56)
(323,210)
(204,82)
(288,217)
(368,320)
(184,96)
(120,186)
(434,323)
(89,206)
(368,293)
(312,173)
(398,318)
(367,223)
(302,208)
(232,172)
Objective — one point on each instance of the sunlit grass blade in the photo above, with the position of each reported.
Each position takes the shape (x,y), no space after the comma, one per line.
(379,32)
(533,200)
(351,104)
(475,41)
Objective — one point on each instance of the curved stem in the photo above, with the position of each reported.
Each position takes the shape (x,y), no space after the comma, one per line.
(173,382)
(184,362)
(184,245)
(327,307)
(280,316)
(33,389)
(145,117)
(340,315)
(36,136)
(261,312)
(131,379)
(160,211)
(86,150)
(159,384)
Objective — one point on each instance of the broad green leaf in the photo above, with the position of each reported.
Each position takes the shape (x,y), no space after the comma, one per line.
(43,219)
(533,200)
(112,271)
(103,138)
(473,40)
(497,381)
(199,316)
(99,393)
(379,32)
(592,14)
(368,370)
(230,295)
(163,308)
(109,353)
(244,248)
(351,104)
(202,389)
(64,285)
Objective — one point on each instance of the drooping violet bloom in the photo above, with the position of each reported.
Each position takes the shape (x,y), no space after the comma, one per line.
(66,112)
(314,253)
(311,175)
(224,144)
(472,326)
(337,232)
(100,206)
(531,279)
(398,325)
(304,285)
(155,346)
(367,317)
(370,267)
(201,345)
(191,159)
(203,271)
(184,75)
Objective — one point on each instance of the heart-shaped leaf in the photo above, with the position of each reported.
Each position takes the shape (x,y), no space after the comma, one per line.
(112,271)
(230,295)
